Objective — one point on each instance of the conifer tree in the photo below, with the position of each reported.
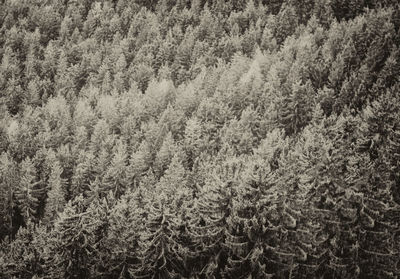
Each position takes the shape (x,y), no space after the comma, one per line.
(29,191)
(183,58)
(331,202)
(142,74)
(192,144)
(56,196)
(124,232)
(83,173)
(72,243)
(378,148)
(242,135)
(8,178)
(23,259)
(162,242)
(174,177)
(163,239)
(139,162)
(209,225)
(97,228)
(296,108)
(172,119)
(165,154)
(120,82)
(115,178)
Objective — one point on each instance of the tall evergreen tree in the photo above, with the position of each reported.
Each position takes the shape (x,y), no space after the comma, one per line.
(71,243)
(9,177)
(115,178)
(56,196)
(23,259)
(29,191)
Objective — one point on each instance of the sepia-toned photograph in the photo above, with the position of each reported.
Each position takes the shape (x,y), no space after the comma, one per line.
(199,139)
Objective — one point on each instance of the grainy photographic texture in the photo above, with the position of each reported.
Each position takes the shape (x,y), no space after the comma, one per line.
(199,139)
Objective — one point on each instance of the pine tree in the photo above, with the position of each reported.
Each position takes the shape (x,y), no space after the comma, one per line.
(10,74)
(172,119)
(284,23)
(252,238)
(264,201)
(139,163)
(379,207)
(8,178)
(192,140)
(333,204)
(83,173)
(120,82)
(142,74)
(183,58)
(388,75)
(56,196)
(238,240)
(243,135)
(29,191)
(115,178)
(71,243)
(165,155)
(296,108)
(162,242)
(174,180)
(123,234)
(210,221)
(97,228)
(164,238)
(23,259)
(158,247)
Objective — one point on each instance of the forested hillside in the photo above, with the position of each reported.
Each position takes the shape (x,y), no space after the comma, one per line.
(193,139)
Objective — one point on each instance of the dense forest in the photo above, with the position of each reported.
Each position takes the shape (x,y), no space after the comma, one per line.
(199,139)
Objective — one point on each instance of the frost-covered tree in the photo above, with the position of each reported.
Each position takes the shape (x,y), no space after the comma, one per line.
(56,195)
(29,191)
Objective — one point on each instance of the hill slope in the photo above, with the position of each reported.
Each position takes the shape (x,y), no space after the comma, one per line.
(194,139)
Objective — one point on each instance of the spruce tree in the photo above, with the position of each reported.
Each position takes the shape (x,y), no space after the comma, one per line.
(56,196)
(71,242)
(165,154)
(115,178)
(209,226)
(23,258)
(139,163)
(123,235)
(162,251)
(83,173)
(29,191)
(8,178)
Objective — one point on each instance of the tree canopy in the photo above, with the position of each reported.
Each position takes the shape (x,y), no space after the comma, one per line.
(199,139)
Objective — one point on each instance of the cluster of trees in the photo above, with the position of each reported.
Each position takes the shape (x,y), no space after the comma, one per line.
(200,139)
